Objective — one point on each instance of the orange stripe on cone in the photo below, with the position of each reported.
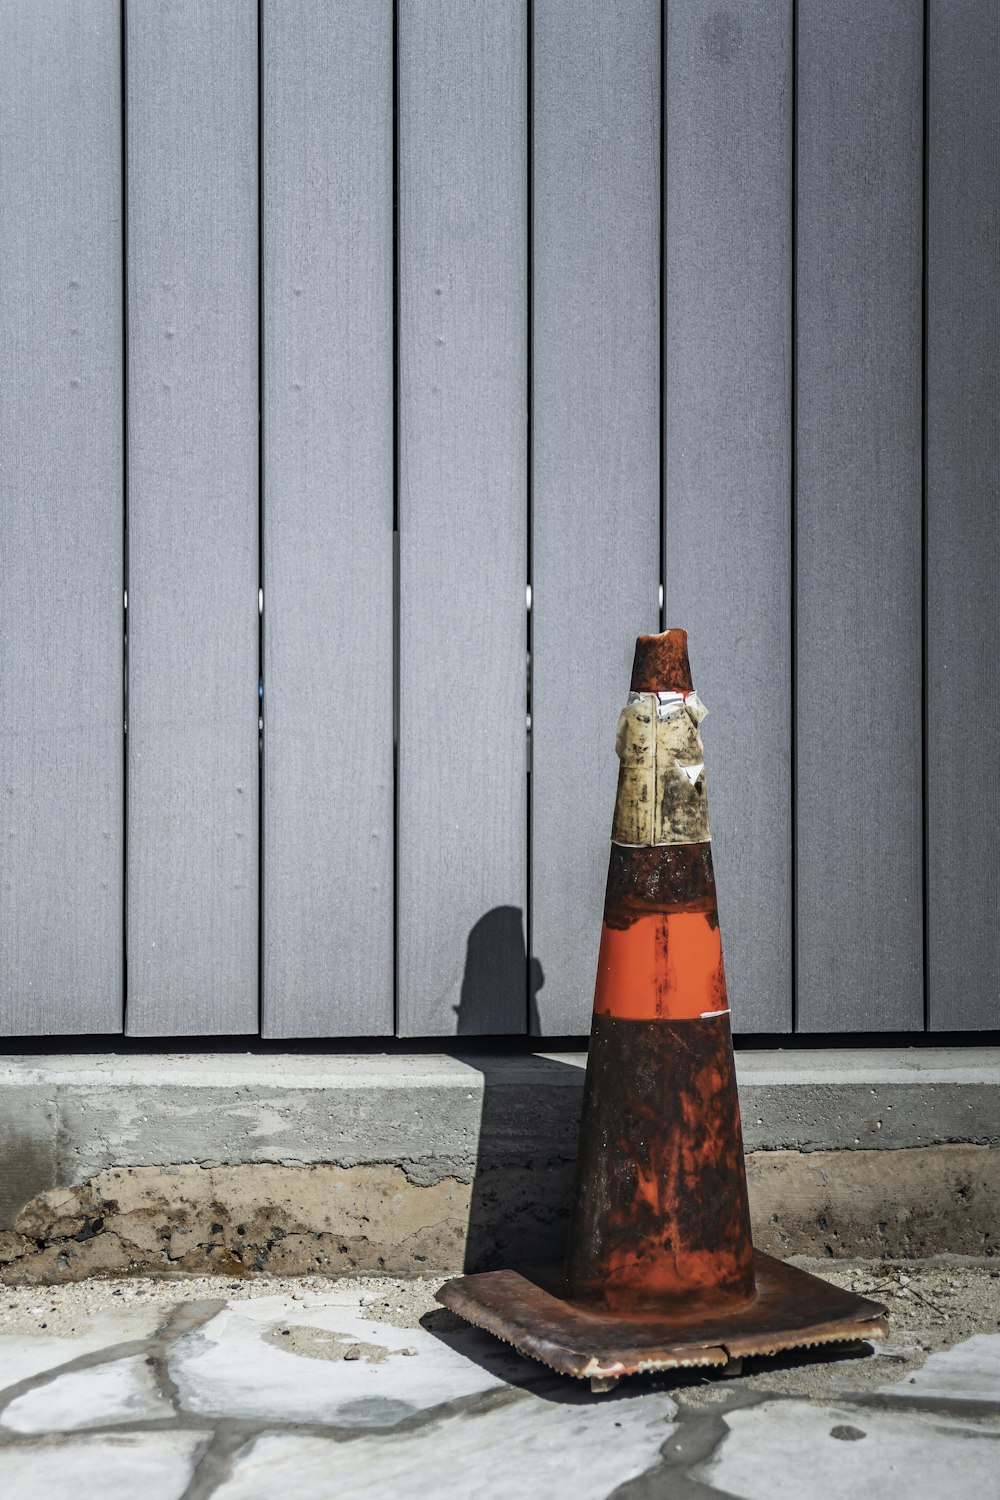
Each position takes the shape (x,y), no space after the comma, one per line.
(662,967)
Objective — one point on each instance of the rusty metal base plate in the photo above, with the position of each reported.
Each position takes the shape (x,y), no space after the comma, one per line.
(791,1310)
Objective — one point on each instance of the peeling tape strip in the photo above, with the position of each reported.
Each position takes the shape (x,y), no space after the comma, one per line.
(662,796)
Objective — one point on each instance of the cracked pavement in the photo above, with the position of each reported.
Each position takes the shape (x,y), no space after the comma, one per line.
(185,1388)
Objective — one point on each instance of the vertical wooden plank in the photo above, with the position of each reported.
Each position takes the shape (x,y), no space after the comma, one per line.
(963,535)
(192,517)
(327,516)
(595,455)
(858,402)
(727,457)
(61,709)
(462,515)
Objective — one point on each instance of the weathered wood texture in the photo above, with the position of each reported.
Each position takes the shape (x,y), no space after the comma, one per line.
(327,514)
(595,455)
(192,517)
(963,528)
(462,515)
(61,709)
(858,516)
(727,458)
(787,497)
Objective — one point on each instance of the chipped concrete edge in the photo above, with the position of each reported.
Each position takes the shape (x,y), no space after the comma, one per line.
(63,1119)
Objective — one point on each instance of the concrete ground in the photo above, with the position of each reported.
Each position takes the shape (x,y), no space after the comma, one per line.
(189,1387)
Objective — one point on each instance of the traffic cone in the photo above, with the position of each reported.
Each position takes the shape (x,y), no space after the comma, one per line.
(660,1269)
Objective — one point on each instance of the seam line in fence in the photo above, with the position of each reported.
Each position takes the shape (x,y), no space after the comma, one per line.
(924,505)
(662,228)
(260,516)
(123,201)
(396,581)
(793,474)
(530,1019)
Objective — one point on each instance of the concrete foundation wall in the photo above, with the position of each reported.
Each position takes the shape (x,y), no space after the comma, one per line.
(246,1163)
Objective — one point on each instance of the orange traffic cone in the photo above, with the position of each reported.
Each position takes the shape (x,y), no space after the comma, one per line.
(660,1269)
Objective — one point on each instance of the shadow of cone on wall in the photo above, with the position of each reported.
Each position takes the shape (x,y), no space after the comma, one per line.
(495,966)
(514,1209)
(660,1269)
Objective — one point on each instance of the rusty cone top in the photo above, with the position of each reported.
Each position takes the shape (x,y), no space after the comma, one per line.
(660,1214)
(661,663)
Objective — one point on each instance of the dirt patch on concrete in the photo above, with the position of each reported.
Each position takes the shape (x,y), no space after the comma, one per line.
(238,1221)
(67,1308)
(249,1219)
(914,1202)
(403,1304)
(932,1305)
(324,1343)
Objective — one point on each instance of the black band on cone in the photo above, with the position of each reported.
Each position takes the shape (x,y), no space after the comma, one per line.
(660,877)
(661,1209)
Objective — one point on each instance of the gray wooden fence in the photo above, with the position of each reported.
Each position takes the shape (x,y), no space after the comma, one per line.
(389,313)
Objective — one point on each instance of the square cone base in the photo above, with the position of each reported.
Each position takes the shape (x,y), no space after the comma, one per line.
(790,1310)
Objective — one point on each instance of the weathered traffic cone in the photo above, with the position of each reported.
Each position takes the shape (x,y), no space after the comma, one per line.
(660,1208)
(660,1268)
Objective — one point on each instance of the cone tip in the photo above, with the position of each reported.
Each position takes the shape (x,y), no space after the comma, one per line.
(661,663)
